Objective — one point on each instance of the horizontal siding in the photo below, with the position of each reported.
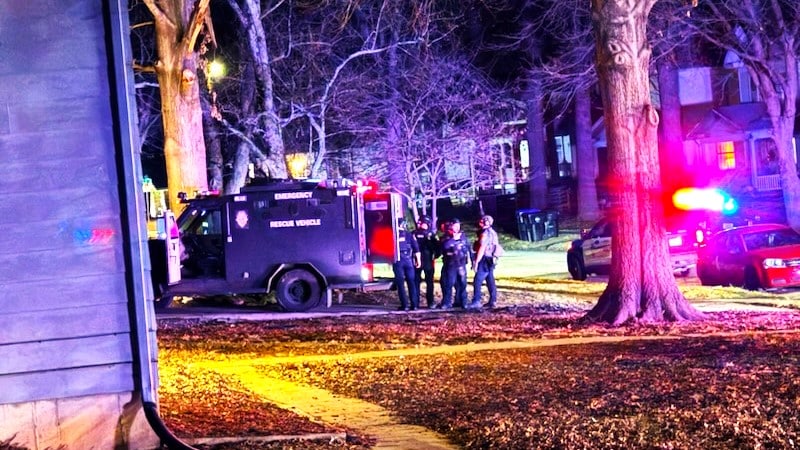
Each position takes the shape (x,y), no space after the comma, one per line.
(49,87)
(60,144)
(62,234)
(63,115)
(73,353)
(48,174)
(63,266)
(28,296)
(65,383)
(63,323)
(67,34)
(64,301)
(78,203)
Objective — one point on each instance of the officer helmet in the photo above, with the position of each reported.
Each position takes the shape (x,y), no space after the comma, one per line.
(487,220)
(424,219)
(451,224)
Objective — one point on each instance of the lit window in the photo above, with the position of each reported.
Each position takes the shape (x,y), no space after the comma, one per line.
(726,159)
(564,155)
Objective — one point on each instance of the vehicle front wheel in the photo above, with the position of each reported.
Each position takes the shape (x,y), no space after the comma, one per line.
(704,278)
(298,291)
(751,281)
(576,268)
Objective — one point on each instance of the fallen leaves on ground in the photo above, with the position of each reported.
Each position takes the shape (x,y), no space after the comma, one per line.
(730,381)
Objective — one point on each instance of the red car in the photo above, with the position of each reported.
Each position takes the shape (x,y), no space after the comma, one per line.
(762,256)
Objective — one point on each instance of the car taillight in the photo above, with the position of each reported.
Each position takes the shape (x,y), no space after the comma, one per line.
(367,272)
(700,236)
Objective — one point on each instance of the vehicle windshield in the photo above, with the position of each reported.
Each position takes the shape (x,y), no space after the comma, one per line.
(773,238)
(201,221)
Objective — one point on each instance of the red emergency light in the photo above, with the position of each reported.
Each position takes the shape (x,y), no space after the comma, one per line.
(712,199)
(363,186)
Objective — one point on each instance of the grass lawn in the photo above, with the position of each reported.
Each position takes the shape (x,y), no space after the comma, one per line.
(727,382)
(730,381)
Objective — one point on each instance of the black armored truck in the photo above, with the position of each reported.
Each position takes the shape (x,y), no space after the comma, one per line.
(301,240)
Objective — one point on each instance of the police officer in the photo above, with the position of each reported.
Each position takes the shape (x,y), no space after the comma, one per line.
(455,255)
(429,251)
(404,269)
(484,262)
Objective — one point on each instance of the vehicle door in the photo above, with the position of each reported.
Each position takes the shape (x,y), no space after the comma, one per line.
(731,260)
(597,245)
(202,238)
(245,237)
(381,212)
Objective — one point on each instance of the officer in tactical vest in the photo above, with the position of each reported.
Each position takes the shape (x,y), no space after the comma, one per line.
(429,251)
(484,262)
(455,255)
(405,268)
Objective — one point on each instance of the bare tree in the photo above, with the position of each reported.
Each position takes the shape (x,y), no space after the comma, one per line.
(641,285)
(765,35)
(556,38)
(178,24)
(448,115)
(264,121)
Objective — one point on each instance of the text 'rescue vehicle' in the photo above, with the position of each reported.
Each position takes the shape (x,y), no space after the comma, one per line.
(300,240)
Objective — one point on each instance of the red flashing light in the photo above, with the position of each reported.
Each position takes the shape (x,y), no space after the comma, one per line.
(691,199)
(363,186)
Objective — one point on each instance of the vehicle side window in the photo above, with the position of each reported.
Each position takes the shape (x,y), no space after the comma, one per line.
(733,245)
(208,222)
(601,229)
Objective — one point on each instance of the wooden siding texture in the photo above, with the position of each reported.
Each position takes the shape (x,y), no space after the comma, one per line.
(64,320)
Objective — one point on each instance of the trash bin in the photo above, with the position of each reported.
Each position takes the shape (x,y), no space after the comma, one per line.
(537,220)
(551,224)
(525,223)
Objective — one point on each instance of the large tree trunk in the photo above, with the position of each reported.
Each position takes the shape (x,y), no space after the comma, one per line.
(641,285)
(537,163)
(588,206)
(213,150)
(274,162)
(177,26)
(782,108)
(672,156)
(398,171)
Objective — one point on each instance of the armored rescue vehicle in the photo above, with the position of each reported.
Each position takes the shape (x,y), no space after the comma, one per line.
(301,240)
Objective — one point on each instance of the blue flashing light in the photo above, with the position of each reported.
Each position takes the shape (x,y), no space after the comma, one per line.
(729,205)
(693,199)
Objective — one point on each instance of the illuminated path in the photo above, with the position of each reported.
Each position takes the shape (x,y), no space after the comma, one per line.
(325,407)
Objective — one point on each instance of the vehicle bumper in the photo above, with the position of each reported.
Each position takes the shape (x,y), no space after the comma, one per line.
(782,277)
(683,262)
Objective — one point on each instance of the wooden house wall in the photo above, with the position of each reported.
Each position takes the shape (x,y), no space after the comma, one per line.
(64,320)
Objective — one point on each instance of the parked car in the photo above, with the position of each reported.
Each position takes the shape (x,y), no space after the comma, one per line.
(592,252)
(762,256)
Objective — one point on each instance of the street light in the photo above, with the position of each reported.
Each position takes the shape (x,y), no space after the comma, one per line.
(215,70)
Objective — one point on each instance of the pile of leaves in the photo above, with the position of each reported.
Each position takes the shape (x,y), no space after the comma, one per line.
(730,381)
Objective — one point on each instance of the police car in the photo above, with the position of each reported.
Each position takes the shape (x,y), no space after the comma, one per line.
(591,254)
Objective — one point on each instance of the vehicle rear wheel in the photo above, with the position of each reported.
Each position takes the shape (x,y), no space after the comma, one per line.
(163,303)
(576,267)
(298,290)
(751,281)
